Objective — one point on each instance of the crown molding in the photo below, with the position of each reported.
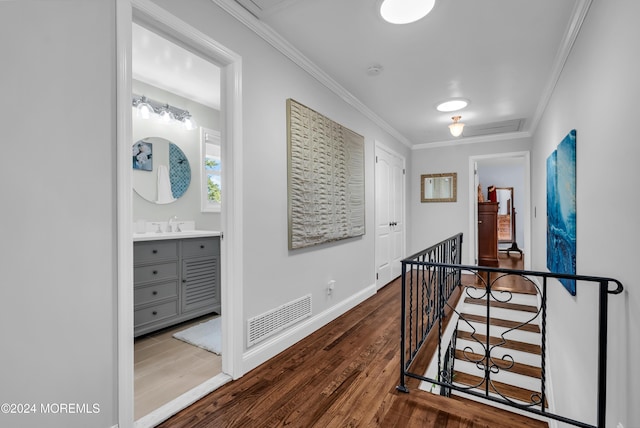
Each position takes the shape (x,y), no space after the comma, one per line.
(282,45)
(297,57)
(573,28)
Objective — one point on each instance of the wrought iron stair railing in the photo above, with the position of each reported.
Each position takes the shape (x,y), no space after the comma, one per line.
(432,276)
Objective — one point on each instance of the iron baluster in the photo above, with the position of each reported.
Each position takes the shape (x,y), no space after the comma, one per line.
(438,270)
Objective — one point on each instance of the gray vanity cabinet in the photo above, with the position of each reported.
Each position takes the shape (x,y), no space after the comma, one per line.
(201,275)
(175,280)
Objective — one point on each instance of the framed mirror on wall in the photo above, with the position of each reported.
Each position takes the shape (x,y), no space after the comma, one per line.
(441,187)
(506,219)
(161,170)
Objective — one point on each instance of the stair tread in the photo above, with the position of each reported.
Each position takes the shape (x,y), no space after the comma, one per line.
(533,328)
(513,283)
(519,368)
(509,391)
(511,344)
(503,305)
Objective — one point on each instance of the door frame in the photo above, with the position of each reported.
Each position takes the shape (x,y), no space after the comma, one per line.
(525,216)
(166,24)
(380,146)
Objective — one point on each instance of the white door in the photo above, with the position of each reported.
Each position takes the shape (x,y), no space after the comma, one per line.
(389,217)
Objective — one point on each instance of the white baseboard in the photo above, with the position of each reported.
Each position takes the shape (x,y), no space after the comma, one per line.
(263,352)
(183,401)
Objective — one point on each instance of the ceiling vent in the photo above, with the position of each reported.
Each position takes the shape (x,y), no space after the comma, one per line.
(503,127)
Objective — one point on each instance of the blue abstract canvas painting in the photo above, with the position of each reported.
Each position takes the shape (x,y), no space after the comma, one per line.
(561,210)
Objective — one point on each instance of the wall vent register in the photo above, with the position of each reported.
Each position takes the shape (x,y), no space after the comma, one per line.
(271,322)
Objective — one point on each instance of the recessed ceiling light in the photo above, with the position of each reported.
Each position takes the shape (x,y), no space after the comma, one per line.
(405,11)
(452,105)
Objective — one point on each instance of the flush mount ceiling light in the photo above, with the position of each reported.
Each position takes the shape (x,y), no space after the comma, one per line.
(405,11)
(453,104)
(147,108)
(456,127)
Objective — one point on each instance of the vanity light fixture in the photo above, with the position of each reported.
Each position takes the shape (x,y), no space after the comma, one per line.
(189,122)
(147,108)
(165,115)
(405,11)
(456,127)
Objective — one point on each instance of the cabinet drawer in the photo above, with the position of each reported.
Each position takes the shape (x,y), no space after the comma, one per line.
(200,247)
(155,292)
(155,272)
(155,313)
(155,250)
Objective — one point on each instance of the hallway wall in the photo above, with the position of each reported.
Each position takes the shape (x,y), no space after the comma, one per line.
(431,222)
(273,274)
(58,253)
(598,90)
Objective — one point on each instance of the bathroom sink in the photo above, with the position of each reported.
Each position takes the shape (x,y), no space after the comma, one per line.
(153,236)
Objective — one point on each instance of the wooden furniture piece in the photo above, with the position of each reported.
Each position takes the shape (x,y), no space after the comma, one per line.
(488,234)
(175,280)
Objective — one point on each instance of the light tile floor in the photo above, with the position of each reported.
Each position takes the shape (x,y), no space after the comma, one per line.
(165,367)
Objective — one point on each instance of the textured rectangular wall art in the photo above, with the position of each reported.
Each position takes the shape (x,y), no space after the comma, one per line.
(325,178)
(561,210)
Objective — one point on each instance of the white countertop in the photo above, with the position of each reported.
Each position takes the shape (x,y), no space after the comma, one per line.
(154,236)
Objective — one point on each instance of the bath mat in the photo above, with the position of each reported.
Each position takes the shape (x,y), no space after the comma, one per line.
(206,335)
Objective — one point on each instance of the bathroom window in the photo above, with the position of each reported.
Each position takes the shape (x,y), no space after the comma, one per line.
(211,170)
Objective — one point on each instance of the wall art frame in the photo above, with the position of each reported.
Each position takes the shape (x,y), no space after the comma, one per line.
(325,179)
(561,210)
(442,187)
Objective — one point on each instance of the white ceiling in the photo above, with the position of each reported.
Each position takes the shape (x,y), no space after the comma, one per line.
(165,65)
(502,55)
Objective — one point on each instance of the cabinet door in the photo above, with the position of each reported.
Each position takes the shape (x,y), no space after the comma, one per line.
(487,234)
(200,279)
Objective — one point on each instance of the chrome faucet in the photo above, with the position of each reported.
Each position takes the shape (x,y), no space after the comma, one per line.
(170,224)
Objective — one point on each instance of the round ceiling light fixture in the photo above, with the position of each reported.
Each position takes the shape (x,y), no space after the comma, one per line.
(405,11)
(453,104)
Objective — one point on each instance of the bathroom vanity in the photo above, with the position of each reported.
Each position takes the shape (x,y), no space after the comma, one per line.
(176,278)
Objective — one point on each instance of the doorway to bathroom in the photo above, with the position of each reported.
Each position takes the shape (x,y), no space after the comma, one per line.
(177,345)
(142,25)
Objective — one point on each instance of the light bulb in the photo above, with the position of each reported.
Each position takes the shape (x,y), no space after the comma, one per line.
(189,123)
(144,109)
(456,127)
(165,115)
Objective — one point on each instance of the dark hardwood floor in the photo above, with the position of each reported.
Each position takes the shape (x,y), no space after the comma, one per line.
(513,283)
(343,375)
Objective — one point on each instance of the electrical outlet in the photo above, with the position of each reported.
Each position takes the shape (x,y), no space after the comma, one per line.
(330,286)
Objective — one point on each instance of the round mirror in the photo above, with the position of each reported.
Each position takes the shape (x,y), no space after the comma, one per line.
(161,171)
